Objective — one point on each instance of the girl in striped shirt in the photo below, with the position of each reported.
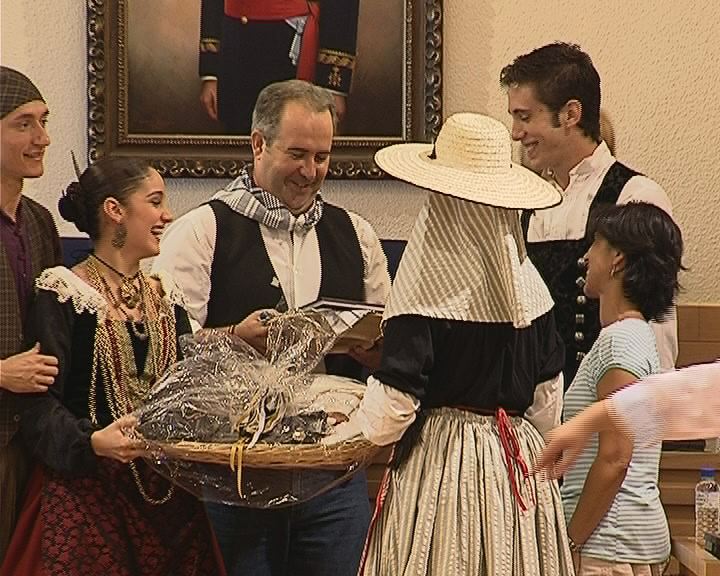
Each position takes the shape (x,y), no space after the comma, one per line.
(611,498)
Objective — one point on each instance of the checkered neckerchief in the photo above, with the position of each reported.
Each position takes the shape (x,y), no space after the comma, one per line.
(243,196)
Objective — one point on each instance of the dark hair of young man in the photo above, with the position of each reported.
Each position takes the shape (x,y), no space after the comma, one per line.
(560,72)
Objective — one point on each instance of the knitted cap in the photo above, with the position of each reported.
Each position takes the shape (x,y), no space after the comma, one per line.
(16,89)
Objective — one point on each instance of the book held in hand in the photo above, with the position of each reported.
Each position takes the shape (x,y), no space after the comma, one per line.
(355,323)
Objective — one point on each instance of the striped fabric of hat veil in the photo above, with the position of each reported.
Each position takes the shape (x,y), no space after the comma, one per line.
(467,261)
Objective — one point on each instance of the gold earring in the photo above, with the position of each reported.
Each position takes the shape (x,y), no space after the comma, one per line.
(612,272)
(119,236)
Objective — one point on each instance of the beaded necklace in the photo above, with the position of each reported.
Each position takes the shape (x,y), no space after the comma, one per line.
(114,358)
(138,327)
(130,295)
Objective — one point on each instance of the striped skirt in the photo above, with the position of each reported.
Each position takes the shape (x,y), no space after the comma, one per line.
(450,508)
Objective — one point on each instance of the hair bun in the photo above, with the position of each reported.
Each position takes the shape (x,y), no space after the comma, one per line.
(71,206)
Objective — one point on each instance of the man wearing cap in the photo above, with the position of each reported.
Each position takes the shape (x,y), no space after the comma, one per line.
(554,100)
(30,243)
(247,44)
(469,340)
(270,241)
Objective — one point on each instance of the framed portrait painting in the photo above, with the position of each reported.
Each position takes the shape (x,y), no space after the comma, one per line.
(162,76)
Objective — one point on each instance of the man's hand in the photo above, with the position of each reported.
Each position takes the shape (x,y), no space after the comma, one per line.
(28,372)
(114,441)
(254,329)
(564,444)
(208,98)
(368,357)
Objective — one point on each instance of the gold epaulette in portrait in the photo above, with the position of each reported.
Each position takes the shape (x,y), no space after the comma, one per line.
(335,69)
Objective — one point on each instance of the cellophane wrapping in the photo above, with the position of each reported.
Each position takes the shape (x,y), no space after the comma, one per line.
(224,393)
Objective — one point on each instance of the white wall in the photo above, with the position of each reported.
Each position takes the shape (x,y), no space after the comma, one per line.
(660,83)
(657,58)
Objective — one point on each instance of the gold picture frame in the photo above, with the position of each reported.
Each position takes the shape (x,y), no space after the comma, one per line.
(127,81)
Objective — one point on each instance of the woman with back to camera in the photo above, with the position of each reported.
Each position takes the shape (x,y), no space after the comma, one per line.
(114,330)
(616,523)
(470,350)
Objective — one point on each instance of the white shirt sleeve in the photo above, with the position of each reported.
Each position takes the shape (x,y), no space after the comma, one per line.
(375,273)
(385,413)
(643,189)
(186,252)
(546,410)
(683,404)
(667,340)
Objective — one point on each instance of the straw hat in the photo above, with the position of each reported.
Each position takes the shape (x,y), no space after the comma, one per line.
(471,159)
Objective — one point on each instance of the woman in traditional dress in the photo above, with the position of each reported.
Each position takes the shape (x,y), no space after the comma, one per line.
(93,507)
(616,522)
(469,343)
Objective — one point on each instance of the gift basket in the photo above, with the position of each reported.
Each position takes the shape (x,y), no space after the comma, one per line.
(231,425)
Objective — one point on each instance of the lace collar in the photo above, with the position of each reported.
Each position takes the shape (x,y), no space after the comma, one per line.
(69,286)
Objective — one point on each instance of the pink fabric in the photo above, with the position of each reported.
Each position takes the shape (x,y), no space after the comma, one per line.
(683,404)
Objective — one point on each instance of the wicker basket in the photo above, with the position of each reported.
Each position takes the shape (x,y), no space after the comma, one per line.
(279,456)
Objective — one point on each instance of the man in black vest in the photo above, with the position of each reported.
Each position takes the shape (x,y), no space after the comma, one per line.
(269,241)
(554,100)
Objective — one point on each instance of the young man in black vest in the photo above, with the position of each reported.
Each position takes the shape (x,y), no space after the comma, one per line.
(29,244)
(269,241)
(554,100)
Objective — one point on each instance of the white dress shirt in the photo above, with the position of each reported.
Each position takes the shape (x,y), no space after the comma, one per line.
(568,221)
(188,248)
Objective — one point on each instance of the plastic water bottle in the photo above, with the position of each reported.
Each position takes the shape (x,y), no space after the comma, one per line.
(707,505)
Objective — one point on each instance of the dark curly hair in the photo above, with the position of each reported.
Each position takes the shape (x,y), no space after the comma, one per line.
(114,177)
(652,245)
(560,72)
